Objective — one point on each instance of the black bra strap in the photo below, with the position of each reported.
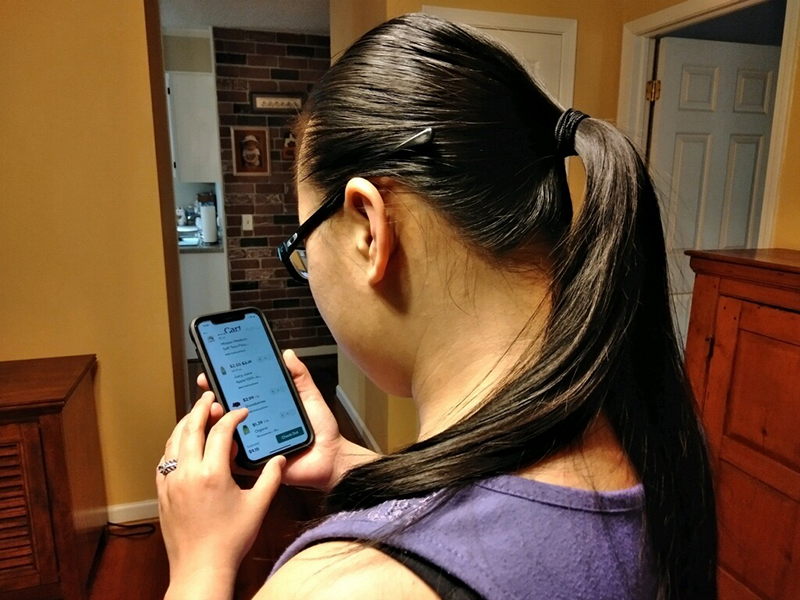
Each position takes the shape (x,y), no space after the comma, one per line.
(440,581)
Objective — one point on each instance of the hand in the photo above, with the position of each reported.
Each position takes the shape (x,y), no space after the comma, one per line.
(331,455)
(208,522)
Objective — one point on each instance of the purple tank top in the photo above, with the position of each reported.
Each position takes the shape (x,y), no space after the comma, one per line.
(513,538)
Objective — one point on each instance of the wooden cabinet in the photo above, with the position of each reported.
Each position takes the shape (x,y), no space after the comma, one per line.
(743,358)
(52,490)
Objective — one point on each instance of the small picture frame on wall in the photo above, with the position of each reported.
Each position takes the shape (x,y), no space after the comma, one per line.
(250,146)
(268,102)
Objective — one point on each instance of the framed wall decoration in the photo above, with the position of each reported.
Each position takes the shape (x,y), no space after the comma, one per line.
(250,146)
(267,102)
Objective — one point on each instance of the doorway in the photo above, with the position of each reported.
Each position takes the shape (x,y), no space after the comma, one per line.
(712,102)
(718,124)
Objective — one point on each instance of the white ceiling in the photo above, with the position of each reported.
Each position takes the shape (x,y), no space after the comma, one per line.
(307,16)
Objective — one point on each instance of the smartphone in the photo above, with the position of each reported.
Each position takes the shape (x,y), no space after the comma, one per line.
(245,369)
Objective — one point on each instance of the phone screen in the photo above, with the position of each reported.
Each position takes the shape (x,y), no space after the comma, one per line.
(249,375)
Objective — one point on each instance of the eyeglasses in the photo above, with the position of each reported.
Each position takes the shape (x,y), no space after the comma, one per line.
(292,252)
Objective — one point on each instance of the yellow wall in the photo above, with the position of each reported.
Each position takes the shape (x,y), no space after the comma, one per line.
(787,223)
(636,9)
(350,19)
(82,266)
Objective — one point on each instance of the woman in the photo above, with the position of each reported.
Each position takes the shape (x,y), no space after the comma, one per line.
(559,453)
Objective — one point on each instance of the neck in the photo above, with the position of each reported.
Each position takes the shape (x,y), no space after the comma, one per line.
(473,339)
(471,343)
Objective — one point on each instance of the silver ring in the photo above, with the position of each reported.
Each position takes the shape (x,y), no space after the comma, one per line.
(168,467)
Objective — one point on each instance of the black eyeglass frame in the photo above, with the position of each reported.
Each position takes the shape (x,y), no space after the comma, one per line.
(285,250)
(329,207)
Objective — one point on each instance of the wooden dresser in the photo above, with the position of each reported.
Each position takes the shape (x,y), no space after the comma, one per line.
(743,358)
(52,491)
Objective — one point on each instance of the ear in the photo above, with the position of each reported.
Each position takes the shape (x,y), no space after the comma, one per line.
(375,236)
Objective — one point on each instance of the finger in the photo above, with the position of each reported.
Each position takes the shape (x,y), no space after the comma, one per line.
(215,414)
(171,447)
(300,375)
(190,447)
(160,482)
(160,462)
(269,481)
(234,451)
(220,438)
(202,381)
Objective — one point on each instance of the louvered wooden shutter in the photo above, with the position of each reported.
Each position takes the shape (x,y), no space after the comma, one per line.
(26,539)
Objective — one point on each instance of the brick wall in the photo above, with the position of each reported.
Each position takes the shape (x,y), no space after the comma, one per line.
(266,61)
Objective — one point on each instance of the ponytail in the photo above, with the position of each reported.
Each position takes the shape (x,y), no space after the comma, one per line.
(650,403)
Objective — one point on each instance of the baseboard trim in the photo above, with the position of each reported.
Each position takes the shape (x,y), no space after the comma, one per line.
(358,422)
(316,350)
(133,511)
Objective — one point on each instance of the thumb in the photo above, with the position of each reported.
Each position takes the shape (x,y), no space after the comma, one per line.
(300,375)
(269,481)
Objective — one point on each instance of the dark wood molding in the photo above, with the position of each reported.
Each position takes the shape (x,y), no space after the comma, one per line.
(169,233)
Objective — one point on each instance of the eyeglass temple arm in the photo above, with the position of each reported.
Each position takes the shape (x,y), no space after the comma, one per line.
(322,213)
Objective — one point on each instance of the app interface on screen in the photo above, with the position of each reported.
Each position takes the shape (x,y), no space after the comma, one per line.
(250,376)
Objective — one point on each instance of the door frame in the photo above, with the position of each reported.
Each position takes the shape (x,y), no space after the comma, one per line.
(638,56)
(567,29)
(169,233)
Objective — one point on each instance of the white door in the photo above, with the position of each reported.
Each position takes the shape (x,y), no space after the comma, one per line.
(546,45)
(194,134)
(708,149)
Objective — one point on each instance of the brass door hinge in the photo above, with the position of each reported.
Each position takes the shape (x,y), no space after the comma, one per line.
(652,90)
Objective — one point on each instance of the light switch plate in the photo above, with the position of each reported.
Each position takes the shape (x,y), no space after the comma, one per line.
(247,222)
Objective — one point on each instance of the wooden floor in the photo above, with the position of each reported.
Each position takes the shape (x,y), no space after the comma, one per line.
(136,568)
(133,567)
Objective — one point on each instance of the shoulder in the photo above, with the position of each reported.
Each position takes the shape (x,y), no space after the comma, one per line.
(334,570)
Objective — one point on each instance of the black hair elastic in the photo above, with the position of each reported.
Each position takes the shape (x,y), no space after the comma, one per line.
(566,126)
